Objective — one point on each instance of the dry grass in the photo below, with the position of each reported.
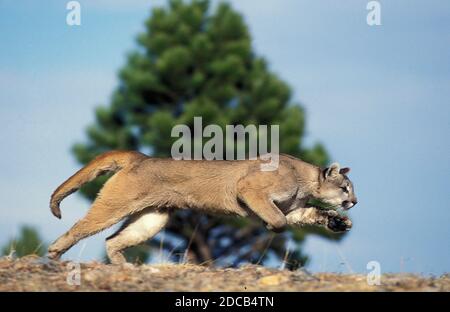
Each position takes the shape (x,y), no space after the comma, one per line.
(36,274)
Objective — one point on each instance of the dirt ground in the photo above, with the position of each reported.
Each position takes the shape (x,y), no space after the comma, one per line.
(37,274)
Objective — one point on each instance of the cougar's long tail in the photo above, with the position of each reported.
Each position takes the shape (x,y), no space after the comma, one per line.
(106,162)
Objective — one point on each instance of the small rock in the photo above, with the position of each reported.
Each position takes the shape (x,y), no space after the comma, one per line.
(153,270)
(128,266)
(272,280)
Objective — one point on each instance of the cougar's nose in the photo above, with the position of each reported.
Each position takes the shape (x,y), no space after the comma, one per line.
(355,201)
(346,204)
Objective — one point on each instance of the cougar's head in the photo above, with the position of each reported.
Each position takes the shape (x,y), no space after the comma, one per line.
(335,188)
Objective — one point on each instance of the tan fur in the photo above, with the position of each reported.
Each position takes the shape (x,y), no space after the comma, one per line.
(109,161)
(146,189)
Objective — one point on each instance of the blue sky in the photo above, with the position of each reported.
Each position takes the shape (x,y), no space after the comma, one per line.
(377,97)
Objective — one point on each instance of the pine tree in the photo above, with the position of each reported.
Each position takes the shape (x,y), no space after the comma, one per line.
(190,62)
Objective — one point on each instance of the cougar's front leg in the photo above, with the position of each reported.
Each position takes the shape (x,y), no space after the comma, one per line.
(260,190)
(264,208)
(313,216)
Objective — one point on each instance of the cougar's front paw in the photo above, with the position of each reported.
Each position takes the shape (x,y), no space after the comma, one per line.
(339,223)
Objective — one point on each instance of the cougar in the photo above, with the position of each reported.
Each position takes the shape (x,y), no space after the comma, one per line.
(145,190)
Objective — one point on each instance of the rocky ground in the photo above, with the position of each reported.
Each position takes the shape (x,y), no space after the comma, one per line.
(37,274)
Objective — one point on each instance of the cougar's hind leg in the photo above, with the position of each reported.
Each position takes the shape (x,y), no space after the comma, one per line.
(109,208)
(139,228)
(100,216)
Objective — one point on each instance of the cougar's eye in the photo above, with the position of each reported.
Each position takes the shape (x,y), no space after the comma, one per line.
(344,189)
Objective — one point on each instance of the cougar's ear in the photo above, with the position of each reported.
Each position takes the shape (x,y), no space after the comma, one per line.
(344,170)
(332,171)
